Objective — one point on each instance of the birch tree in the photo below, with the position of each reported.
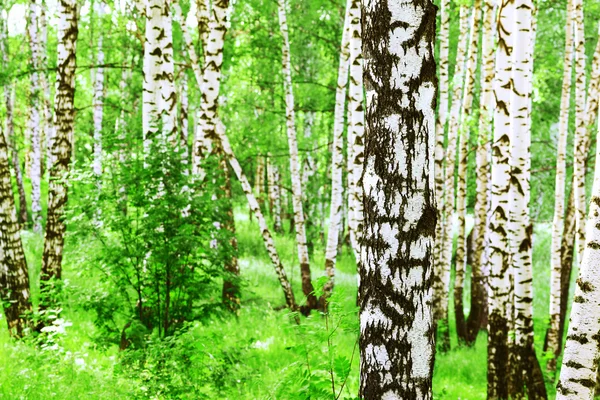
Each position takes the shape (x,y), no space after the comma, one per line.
(397,329)
(552,335)
(98,99)
(9,102)
(307,286)
(478,289)
(580,130)
(356,128)
(461,198)
(61,146)
(443,287)
(579,365)
(14,276)
(337,156)
(34,121)
(499,281)
(527,371)
(440,283)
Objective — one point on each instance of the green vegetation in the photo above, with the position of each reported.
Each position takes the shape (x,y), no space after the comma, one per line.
(262,354)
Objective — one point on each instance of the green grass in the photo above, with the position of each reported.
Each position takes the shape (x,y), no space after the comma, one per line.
(260,355)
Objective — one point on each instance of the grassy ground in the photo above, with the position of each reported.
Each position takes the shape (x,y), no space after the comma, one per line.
(261,355)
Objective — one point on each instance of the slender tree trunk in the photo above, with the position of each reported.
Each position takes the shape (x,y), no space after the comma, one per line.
(356,131)
(337,157)
(580,131)
(568,237)
(48,115)
(275,197)
(10,128)
(307,286)
(231,283)
(397,330)
(478,289)
(500,282)
(526,372)
(14,277)
(552,335)
(259,180)
(184,119)
(62,146)
(152,72)
(98,98)
(35,122)
(579,365)
(449,162)
(440,311)
(463,154)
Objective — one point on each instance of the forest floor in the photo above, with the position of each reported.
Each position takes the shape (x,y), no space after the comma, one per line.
(260,355)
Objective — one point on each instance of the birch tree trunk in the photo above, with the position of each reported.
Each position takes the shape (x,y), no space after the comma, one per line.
(478,289)
(440,284)
(449,162)
(500,283)
(48,116)
(552,335)
(98,99)
(356,131)
(397,331)
(151,71)
(307,286)
(34,121)
(259,180)
(463,153)
(527,371)
(275,196)
(580,131)
(337,157)
(10,129)
(14,276)
(568,238)
(579,365)
(167,105)
(184,118)
(61,146)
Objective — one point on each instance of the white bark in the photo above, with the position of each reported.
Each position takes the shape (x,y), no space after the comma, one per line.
(581,128)
(337,156)
(559,193)
(396,322)
(299,225)
(151,70)
(499,282)
(579,365)
(35,120)
(356,130)
(98,100)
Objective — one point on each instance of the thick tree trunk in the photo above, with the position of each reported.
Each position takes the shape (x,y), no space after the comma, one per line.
(579,365)
(152,72)
(337,157)
(397,331)
(552,334)
(580,130)
(61,146)
(307,286)
(35,120)
(14,277)
(463,154)
(527,371)
(500,282)
(478,289)
(356,131)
